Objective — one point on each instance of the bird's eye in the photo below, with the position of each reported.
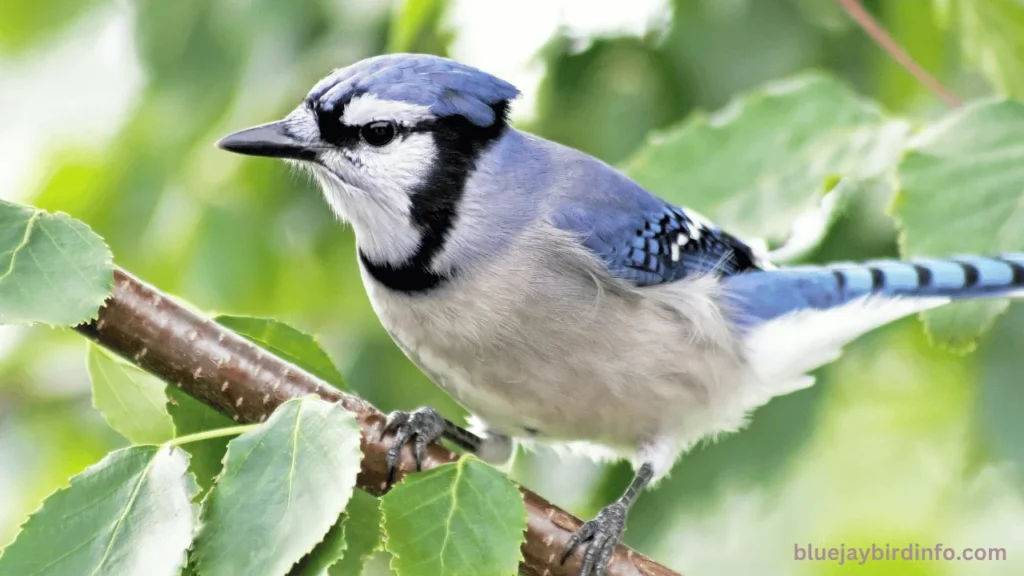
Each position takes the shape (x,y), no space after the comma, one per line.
(378,133)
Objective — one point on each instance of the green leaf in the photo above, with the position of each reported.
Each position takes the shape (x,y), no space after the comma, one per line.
(767,158)
(283,487)
(132,401)
(992,35)
(462,518)
(129,514)
(349,543)
(53,269)
(282,340)
(190,416)
(327,553)
(362,534)
(962,192)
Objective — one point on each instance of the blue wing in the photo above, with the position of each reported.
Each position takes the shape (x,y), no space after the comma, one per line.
(647,241)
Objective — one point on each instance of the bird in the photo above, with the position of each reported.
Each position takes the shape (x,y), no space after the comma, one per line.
(555,298)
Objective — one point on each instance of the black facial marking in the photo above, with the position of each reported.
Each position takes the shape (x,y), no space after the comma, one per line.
(328,120)
(459,144)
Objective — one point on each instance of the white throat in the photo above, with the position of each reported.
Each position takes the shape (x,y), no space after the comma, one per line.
(381,223)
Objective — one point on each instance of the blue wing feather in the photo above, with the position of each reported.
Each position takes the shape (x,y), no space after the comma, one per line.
(647,241)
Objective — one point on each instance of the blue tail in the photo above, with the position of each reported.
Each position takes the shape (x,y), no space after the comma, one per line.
(764,295)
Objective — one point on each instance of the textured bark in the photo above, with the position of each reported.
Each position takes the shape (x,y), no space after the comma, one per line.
(227,372)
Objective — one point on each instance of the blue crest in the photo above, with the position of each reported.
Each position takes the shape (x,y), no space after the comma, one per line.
(444,86)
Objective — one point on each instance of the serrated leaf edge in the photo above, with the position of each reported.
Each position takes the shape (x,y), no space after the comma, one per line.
(464,460)
(201,522)
(191,489)
(75,224)
(378,545)
(124,367)
(342,518)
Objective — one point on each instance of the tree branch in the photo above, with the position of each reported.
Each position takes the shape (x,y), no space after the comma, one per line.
(227,372)
(887,43)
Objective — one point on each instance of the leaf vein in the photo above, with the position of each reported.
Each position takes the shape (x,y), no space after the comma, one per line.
(24,242)
(124,514)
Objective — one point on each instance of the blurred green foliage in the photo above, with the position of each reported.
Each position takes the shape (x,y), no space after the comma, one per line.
(899,441)
(992,33)
(25,24)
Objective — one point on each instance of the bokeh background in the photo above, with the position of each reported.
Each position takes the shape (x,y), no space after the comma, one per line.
(109,109)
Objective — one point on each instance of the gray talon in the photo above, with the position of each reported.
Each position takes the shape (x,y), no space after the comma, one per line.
(602,535)
(419,451)
(394,420)
(422,427)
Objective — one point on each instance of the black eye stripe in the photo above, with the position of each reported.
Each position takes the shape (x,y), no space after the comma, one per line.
(332,130)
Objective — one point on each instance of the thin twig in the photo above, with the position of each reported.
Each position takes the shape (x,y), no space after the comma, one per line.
(887,43)
(227,372)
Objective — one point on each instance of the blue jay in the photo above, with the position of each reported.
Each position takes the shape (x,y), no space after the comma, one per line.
(555,298)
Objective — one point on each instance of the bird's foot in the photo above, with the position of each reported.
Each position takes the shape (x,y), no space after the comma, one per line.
(422,426)
(602,535)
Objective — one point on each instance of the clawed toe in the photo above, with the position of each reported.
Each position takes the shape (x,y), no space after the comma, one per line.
(421,427)
(602,535)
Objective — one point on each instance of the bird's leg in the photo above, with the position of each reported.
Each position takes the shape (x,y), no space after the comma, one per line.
(422,426)
(604,532)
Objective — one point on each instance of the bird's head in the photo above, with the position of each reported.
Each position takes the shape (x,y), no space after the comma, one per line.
(391,139)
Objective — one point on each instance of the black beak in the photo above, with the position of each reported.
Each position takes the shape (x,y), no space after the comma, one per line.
(271,140)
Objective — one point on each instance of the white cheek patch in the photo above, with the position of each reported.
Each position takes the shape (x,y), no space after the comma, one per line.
(380,218)
(339,196)
(368,108)
(399,167)
(372,188)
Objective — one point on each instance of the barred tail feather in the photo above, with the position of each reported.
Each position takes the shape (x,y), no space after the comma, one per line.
(762,296)
(798,318)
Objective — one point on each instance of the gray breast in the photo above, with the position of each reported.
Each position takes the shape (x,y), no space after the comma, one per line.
(543,339)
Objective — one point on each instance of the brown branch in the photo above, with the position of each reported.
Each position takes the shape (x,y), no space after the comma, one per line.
(226,371)
(887,43)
